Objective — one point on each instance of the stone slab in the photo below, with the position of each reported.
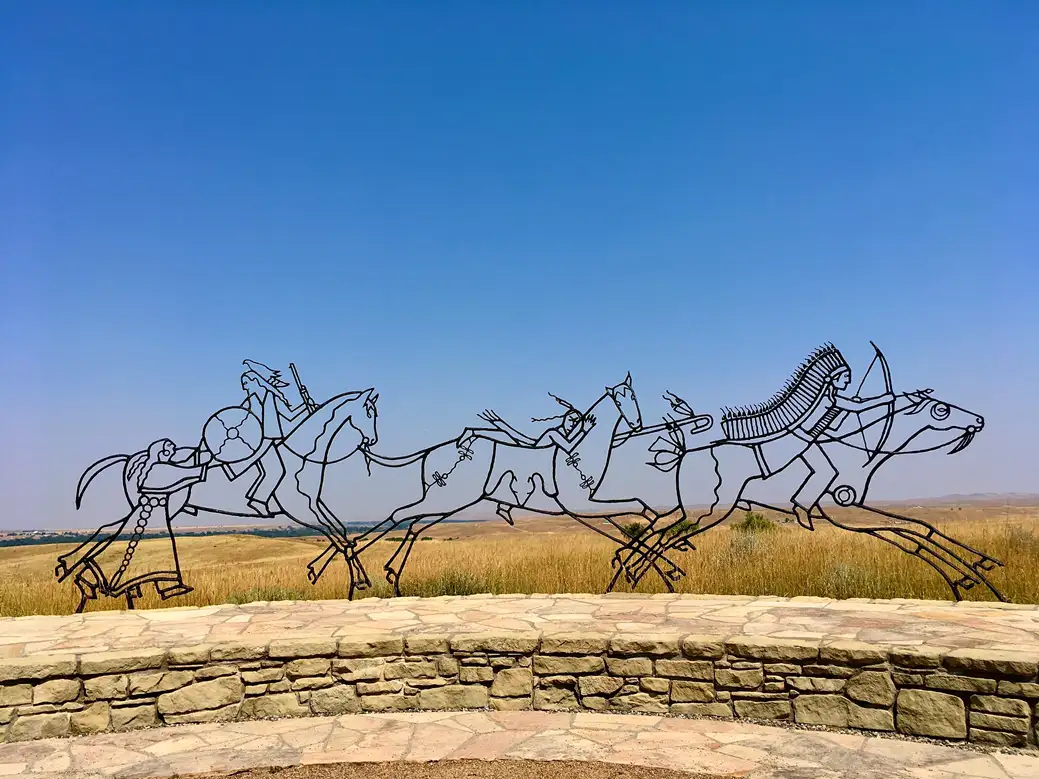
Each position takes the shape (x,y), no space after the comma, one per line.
(920,626)
(706,746)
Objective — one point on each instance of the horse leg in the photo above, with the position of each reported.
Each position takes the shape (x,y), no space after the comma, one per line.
(729,468)
(674,573)
(403,551)
(339,530)
(360,543)
(983,562)
(649,554)
(583,508)
(930,544)
(703,523)
(395,570)
(670,573)
(933,547)
(350,550)
(317,566)
(358,576)
(296,504)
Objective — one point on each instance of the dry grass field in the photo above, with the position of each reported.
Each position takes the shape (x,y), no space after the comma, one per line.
(552,555)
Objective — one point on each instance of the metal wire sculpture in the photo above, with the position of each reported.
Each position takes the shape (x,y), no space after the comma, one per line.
(811,426)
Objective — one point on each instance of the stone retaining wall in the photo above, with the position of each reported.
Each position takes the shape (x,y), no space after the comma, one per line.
(977,695)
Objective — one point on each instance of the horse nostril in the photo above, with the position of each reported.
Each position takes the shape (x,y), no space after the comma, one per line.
(981,422)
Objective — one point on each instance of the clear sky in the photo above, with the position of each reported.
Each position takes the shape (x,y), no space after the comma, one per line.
(469,204)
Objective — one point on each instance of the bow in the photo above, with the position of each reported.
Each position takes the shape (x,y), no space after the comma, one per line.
(889,416)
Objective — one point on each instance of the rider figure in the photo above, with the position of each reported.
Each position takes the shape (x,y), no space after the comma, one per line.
(566,435)
(571,430)
(813,398)
(264,398)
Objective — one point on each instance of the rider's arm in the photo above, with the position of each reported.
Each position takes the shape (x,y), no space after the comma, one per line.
(555,437)
(519,437)
(288,414)
(848,404)
(505,437)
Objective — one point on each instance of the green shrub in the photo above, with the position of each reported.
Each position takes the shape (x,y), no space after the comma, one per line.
(754,522)
(634,529)
(679,528)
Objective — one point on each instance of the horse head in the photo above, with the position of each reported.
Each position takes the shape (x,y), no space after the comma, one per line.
(364,422)
(924,424)
(624,397)
(919,423)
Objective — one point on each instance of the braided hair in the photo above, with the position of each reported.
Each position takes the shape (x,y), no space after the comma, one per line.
(570,410)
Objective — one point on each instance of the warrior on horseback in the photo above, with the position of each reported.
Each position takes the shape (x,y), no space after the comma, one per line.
(264,398)
(789,426)
(565,435)
(572,429)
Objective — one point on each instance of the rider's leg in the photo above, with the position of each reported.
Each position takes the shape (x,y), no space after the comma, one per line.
(821,476)
(395,565)
(272,471)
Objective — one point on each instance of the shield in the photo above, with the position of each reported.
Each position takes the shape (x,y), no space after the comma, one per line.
(233,434)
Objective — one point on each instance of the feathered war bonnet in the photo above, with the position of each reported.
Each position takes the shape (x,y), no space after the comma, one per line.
(784,410)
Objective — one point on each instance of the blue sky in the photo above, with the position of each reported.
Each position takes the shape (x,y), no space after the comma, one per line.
(469,204)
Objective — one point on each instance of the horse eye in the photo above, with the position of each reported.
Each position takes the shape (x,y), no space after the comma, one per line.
(940,411)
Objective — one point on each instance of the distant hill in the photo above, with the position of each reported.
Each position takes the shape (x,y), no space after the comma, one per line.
(77,535)
(983,498)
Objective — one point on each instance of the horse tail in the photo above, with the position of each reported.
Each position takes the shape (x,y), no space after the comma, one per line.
(719,479)
(94,470)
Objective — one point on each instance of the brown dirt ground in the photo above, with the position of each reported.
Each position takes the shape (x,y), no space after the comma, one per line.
(459,769)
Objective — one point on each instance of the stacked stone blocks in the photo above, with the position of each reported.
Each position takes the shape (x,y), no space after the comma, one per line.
(982,696)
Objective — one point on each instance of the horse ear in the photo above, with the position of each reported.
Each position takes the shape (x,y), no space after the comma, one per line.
(918,403)
(375,397)
(627,379)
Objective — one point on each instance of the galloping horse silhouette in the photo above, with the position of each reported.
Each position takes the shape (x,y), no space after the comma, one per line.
(336,430)
(449,478)
(918,423)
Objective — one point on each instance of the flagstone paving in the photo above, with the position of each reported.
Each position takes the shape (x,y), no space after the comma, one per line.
(939,624)
(709,747)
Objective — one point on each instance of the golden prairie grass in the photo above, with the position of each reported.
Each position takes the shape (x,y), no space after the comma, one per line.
(788,561)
